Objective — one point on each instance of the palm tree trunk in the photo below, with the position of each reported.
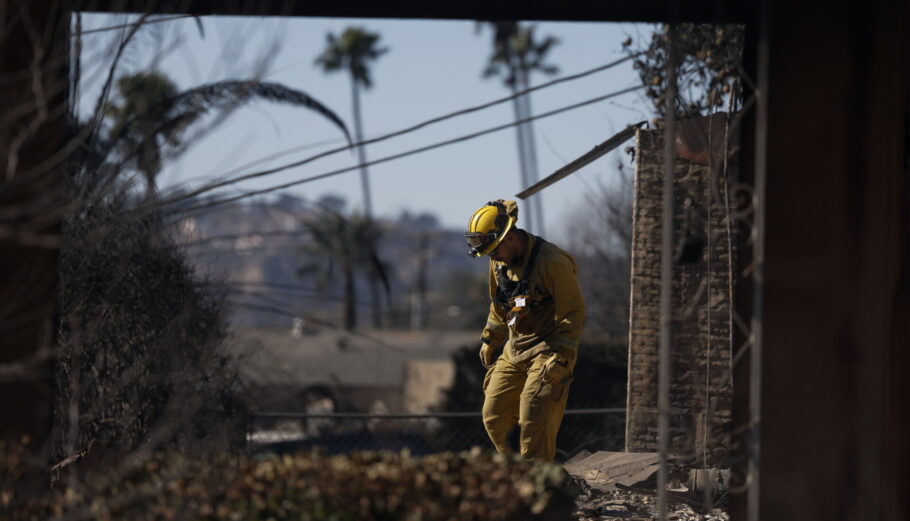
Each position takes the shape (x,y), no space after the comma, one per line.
(367,198)
(361,152)
(531,147)
(419,300)
(375,303)
(522,151)
(350,313)
(147,165)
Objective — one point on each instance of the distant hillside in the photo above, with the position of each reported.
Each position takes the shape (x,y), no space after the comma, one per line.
(256,250)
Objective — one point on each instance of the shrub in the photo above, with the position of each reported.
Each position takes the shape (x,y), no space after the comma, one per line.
(368,486)
(141,360)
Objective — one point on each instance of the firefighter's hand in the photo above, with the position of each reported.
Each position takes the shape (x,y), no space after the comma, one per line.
(488,355)
(555,369)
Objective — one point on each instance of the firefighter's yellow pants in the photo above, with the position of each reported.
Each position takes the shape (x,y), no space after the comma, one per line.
(514,393)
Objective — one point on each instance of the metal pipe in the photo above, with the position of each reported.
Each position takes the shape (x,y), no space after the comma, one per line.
(758,236)
(666,281)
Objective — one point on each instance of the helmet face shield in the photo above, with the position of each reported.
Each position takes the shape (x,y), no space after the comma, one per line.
(479,242)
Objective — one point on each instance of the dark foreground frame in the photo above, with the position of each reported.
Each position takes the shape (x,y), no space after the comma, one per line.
(836,278)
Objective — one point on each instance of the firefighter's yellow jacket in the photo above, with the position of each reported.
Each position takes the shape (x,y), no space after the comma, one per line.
(557,308)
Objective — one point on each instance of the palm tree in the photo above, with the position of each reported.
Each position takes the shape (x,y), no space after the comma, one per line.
(516,54)
(152,115)
(345,242)
(353,51)
(135,123)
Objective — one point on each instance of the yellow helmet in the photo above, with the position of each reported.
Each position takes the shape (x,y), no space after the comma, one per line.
(488,225)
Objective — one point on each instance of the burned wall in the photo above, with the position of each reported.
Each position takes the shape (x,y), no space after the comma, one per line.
(704,245)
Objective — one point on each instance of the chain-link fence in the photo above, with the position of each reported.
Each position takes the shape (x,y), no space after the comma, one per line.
(278,433)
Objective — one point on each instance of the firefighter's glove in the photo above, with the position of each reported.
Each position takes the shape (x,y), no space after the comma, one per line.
(519,317)
(488,355)
(555,369)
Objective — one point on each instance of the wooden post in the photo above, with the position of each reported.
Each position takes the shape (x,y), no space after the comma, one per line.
(33,87)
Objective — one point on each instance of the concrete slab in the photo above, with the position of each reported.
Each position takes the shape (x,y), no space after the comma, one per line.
(603,470)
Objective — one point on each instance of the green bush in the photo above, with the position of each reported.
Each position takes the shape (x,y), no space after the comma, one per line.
(376,486)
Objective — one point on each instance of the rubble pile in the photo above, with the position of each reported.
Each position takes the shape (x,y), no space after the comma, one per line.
(630,506)
(622,486)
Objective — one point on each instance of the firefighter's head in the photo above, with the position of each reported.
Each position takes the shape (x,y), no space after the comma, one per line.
(489,229)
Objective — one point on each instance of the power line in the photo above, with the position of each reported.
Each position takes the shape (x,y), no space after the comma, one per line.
(320,322)
(230,237)
(407,130)
(248,249)
(283,294)
(271,285)
(300,148)
(146,22)
(466,137)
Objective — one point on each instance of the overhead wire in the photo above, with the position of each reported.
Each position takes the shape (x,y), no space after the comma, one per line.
(233,236)
(397,133)
(400,155)
(277,286)
(320,322)
(289,151)
(270,298)
(146,22)
(249,249)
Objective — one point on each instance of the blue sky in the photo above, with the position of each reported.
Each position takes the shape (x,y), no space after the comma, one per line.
(432,68)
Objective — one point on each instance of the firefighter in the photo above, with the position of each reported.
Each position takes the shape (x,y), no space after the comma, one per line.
(530,342)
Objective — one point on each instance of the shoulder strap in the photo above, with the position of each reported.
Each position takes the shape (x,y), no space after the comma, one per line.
(533,257)
(529,269)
